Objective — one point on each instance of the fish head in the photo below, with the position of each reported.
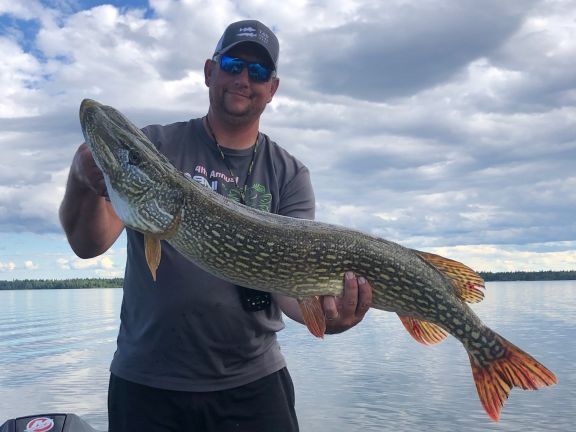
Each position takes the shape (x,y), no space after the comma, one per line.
(141,182)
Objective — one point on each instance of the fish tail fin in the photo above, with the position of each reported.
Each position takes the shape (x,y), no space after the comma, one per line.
(468,285)
(495,380)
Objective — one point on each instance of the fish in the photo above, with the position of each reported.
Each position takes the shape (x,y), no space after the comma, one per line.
(300,258)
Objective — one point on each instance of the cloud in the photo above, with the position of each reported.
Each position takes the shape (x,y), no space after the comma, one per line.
(20,73)
(542,49)
(436,124)
(390,52)
(33,206)
(30,265)
(7,266)
(103,265)
(499,258)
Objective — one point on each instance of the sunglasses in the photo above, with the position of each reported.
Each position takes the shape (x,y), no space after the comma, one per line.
(256,71)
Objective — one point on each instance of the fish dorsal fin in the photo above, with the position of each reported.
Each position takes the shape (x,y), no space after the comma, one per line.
(468,284)
(423,331)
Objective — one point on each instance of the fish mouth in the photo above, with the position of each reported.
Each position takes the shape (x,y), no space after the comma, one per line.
(103,155)
(87,106)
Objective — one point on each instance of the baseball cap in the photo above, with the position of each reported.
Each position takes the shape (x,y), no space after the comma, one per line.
(249,31)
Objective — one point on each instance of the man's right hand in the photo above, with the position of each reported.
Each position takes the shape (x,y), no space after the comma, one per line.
(86,171)
(89,221)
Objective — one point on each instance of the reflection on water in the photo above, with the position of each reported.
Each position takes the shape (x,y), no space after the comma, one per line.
(55,349)
(56,345)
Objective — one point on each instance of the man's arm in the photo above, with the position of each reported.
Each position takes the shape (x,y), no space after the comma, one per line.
(88,219)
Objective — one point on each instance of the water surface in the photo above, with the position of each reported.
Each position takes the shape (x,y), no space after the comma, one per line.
(56,346)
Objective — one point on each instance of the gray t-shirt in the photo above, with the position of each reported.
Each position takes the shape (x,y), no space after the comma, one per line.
(188,331)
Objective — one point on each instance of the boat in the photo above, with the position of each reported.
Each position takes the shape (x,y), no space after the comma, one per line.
(47,423)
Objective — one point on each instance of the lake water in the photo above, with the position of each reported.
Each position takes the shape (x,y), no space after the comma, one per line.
(56,345)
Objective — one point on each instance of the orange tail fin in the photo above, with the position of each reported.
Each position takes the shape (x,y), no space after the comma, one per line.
(516,369)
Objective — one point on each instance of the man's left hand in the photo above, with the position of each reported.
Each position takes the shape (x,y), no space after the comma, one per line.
(348,310)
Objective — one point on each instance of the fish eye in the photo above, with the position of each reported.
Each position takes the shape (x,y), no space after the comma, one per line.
(134,157)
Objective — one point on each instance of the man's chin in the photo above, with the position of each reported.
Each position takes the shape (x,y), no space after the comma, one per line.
(238,115)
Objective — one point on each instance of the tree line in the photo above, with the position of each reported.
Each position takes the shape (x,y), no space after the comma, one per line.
(26,284)
(544,275)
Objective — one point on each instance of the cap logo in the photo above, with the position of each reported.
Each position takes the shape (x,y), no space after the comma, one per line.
(263,36)
(246,32)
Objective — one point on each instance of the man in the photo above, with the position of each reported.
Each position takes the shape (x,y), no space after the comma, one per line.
(196,353)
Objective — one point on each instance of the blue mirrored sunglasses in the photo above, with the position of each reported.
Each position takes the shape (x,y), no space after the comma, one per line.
(256,71)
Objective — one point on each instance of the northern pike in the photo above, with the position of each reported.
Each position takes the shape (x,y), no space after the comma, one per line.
(300,258)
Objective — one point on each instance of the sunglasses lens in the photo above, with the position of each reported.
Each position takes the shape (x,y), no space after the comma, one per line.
(231,65)
(258,72)
(234,66)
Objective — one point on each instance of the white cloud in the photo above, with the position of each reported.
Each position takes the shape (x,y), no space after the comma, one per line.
(434,125)
(506,258)
(63,263)
(32,207)
(25,9)
(7,266)
(20,74)
(30,265)
(106,265)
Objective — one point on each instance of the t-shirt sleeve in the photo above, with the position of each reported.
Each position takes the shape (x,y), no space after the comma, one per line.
(153,133)
(297,197)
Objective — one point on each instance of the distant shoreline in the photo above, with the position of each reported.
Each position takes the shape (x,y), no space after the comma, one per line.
(87,283)
(83,283)
(543,275)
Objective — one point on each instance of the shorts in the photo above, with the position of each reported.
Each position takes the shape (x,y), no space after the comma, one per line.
(265,405)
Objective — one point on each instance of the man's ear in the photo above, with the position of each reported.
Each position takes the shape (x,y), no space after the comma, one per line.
(273,87)
(208,70)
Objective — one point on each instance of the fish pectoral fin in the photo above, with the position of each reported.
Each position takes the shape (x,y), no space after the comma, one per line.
(468,285)
(152,250)
(173,228)
(313,315)
(515,368)
(423,331)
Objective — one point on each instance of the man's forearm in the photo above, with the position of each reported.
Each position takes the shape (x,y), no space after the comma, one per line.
(289,307)
(89,221)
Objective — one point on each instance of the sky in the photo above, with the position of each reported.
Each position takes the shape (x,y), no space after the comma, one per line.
(444,125)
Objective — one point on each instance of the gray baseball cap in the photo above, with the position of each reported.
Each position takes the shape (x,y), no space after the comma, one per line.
(249,31)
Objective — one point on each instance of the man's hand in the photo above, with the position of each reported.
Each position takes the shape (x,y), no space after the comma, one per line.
(345,312)
(86,171)
(89,221)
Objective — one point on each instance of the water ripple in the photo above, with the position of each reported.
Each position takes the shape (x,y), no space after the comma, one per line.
(56,346)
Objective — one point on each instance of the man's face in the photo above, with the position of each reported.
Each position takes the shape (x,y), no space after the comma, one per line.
(237,98)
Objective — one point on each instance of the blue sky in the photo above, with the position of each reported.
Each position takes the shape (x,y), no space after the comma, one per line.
(446,125)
